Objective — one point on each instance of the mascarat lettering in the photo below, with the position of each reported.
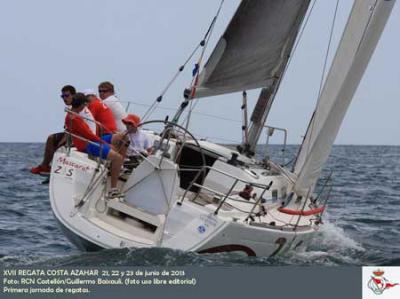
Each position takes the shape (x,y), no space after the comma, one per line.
(64,161)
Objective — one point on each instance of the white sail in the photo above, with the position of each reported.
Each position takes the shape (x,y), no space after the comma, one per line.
(255,47)
(363,30)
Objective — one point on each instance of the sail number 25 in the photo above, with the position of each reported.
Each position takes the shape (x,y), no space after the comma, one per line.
(62,170)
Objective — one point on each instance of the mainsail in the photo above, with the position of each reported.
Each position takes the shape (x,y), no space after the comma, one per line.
(255,47)
(363,30)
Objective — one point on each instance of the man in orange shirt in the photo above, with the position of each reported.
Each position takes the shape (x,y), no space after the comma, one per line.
(93,144)
(101,113)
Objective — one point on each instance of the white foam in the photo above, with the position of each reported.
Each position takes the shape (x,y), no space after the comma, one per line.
(335,237)
(330,246)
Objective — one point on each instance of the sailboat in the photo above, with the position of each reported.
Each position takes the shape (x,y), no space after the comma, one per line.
(195,195)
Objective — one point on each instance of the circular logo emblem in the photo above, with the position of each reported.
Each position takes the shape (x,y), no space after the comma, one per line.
(201,229)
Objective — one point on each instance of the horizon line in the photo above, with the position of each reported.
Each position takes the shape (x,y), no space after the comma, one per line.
(222,143)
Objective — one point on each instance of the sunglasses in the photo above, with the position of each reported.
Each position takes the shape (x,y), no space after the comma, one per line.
(129,124)
(103,90)
(64,96)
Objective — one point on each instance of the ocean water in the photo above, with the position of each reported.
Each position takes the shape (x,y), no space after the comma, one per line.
(362,222)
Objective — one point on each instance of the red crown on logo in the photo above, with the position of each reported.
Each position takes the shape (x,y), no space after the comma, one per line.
(378,272)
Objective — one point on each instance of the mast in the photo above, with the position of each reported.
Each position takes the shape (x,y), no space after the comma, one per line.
(360,37)
(245,128)
(258,119)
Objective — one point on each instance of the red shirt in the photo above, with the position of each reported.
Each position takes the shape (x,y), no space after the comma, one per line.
(103,115)
(77,126)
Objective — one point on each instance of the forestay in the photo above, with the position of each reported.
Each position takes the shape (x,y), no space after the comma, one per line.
(363,30)
(255,47)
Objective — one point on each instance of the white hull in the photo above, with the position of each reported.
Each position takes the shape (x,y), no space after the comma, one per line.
(190,226)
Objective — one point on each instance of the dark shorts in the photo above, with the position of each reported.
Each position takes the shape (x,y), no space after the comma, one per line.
(100,150)
(57,137)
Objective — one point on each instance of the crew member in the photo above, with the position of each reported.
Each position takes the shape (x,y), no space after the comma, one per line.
(140,143)
(87,141)
(101,113)
(56,140)
(107,94)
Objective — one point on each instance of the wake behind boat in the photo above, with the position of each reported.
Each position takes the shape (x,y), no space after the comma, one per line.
(198,196)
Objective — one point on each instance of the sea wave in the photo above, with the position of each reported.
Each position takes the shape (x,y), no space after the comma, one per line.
(360,225)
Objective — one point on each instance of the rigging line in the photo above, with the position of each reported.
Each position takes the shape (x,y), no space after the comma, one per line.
(209,115)
(148,105)
(372,9)
(159,98)
(203,43)
(187,119)
(210,30)
(206,114)
(217,138)
(214,20)
(288,163)
(169,84)
(197,112)
(300,35)
(206,40)
(194,81)
(218,117)
(328,50)
(323,71)
(191,108)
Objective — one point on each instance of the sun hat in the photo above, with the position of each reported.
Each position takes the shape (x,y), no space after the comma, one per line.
(88,92)
(131,119)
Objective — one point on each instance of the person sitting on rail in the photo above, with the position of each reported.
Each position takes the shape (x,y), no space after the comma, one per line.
(107,95)
(86,141)
(55,141)
(101,113)
(106,124)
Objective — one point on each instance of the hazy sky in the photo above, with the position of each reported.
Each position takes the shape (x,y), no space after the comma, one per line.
(138,45)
